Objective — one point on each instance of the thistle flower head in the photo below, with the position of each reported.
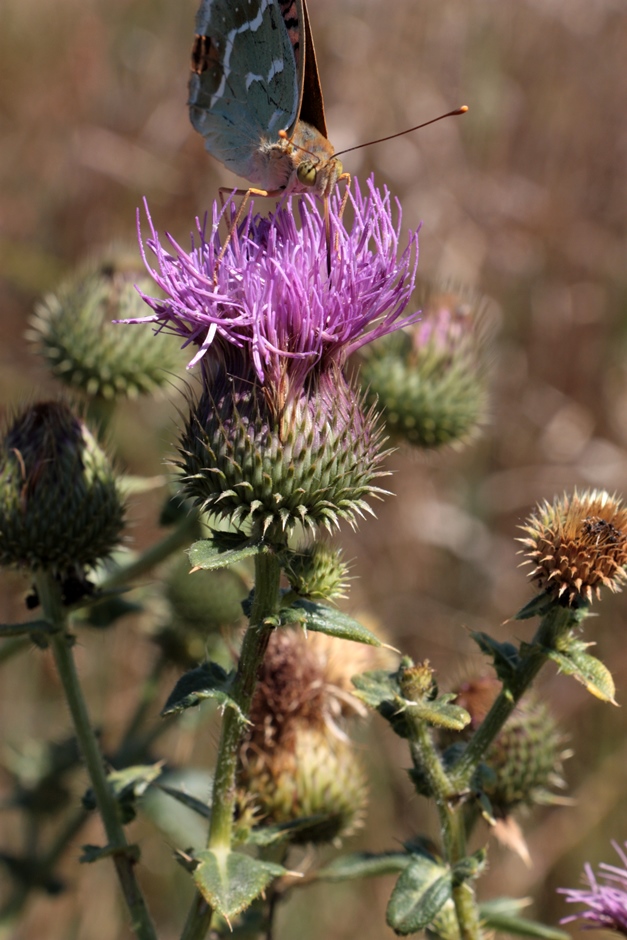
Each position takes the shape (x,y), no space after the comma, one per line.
(577,544)
(604,898)
(278,435)
(269,307)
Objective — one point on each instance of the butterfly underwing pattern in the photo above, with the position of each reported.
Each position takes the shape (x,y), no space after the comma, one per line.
(254,95)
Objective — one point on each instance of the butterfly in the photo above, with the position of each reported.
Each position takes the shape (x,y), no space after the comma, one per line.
(254,95)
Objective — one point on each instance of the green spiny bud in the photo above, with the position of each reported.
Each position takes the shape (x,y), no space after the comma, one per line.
(204,601)
(311,462)
(445,926)
(316,571)
(526,756)
(417,682)
(429,380)
(74,332)
(60,506)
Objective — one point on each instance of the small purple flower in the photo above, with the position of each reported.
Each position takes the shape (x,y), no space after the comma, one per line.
(606,904)
(269,306)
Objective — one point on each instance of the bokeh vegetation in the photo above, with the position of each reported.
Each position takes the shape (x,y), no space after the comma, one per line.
(524,198)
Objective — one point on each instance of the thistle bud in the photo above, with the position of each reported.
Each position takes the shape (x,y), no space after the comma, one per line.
(577,544)
(60,506)
(316,571)
(430,380)
(526,756)
(309,459)
(73,330)
(202,604)
(204,601)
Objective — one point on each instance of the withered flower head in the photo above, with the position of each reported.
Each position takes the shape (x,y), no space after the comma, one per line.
(577,544)
(295,761)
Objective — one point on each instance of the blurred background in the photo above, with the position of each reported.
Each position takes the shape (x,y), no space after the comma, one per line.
(524,199)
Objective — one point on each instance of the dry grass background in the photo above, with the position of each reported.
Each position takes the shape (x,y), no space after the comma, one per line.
(524,198)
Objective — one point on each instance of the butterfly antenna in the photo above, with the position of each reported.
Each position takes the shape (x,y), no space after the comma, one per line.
(409,130)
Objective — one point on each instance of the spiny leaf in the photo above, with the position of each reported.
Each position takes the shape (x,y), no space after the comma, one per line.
(230,881)
(207,681)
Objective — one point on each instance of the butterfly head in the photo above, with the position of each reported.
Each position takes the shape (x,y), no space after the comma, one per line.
(317,169)
(319,175)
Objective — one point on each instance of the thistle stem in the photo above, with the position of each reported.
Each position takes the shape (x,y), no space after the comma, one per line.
(50,597)
(557,622)
(452,827)
(265,607)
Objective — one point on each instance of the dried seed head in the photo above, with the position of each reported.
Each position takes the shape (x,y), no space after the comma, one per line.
(577,544)
(294,761)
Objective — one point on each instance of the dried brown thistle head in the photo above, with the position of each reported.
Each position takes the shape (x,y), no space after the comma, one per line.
(577,544)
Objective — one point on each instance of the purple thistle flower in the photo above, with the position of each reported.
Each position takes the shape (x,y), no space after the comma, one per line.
(269,306)
(606,903)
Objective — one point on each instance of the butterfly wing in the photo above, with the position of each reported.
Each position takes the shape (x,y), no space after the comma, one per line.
(312,104)
(245,84)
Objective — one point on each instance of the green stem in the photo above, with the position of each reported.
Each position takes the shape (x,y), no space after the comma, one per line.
(50,598)
(450,812)
(24,629)
(265,607)
(557,622)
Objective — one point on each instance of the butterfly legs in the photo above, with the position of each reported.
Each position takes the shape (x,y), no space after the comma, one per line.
(247,194)
(346,178)
(332,245)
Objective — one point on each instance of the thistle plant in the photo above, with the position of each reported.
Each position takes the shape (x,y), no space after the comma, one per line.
(278,445)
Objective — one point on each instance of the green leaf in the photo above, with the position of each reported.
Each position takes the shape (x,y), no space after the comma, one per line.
(134,780)
(440,712)
(203,809)
(573,660)
(230,881)
(329,620)
(380,690)
(207,681)
(536,607)
(274,835)
(501,914)
(213,553)
(419,894)
(505,655)
(364,865)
